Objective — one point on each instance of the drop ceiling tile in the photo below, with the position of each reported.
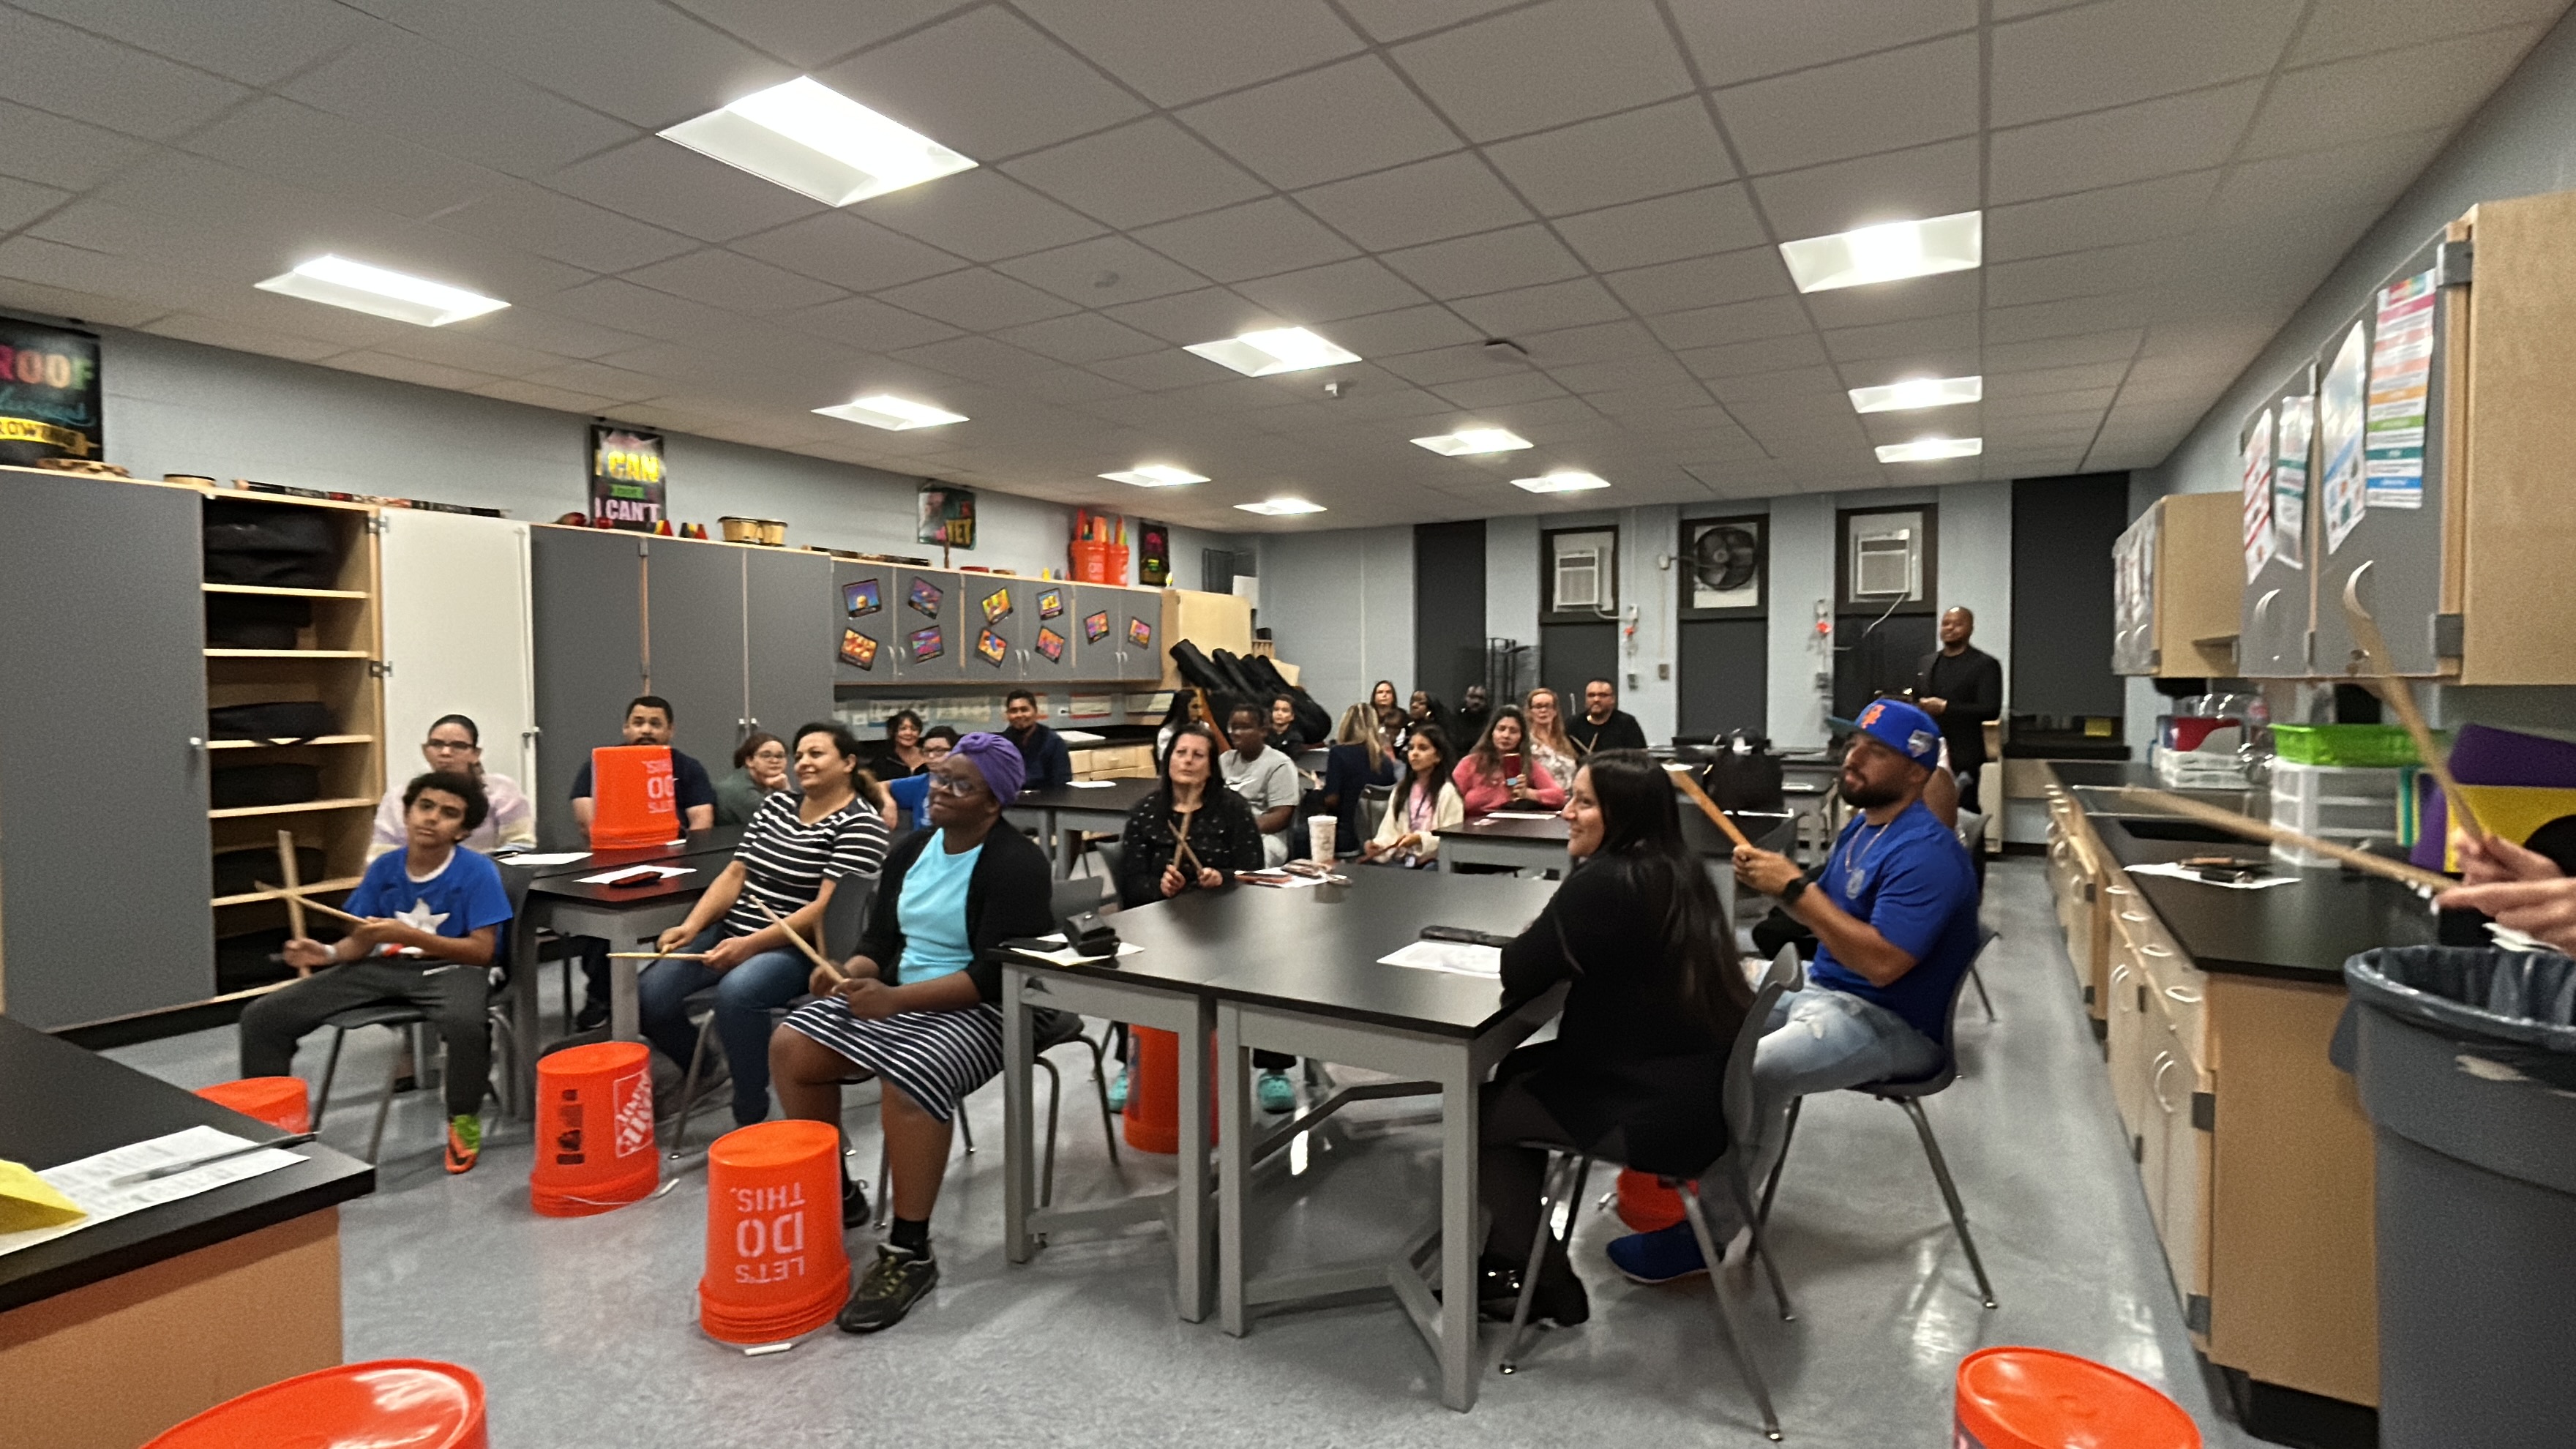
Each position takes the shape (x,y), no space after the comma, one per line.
(1566,60)
(612,302)
(1739,40)
(1937,296)
(1452,364)
(670,186)
(1656,401)
(1646,369)
(2430,87)
(598,380)
(813,33)
(2334,32)
(1159,371)
(556,226)
(1069,386)
(1451,195)
(1334,291)
(733,282)
(847,251)
(1903,339)
(430,96)
(2166,206)
(1397,19)
(2091,273)
(287,142)
(2128,143)
(1102,272)
(1770,354)
(1141,173)
(1878,371)
(2008,385)
(1205,315)
(2364,176)
(867,325)
(61,152)
(984,83)
(2071,317)
(2092,56)
(979,214)
(23,201)
(1407,329)
(406,369)
(86,78)
(1542,309)
(536,326)
(1494,392)
(1616,159)
(979,300)
(1601,342)
(1492,262)
(651,66)
(1258,239)
(2069,352)
(1668,228)
(976,359)
(1703,281)
(1734,322)
(1164,50)
(257,43)
(1340,121)
(1080,338)
(452,348)
(1883,102)
(1934,180)
(218,332)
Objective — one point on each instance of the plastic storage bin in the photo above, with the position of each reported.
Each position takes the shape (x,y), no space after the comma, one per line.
(2354,807)
(2363,746)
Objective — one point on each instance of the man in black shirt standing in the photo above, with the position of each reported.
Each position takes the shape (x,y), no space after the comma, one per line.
(1961,686)
(1603,725)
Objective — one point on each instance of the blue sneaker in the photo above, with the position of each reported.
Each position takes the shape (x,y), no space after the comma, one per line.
(1665,1255)
(1275,1092)
(1118,1092)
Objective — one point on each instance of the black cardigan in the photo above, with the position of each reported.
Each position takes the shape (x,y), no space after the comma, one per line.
(1224,836)
(1010,897)
(1628,1054)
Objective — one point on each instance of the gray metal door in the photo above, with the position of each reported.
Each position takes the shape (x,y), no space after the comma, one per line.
(1050,654)
(1098,632)
(928,610)
(865,605)
(106,868)
(2272,627)
(1725,676)
(791,671)
(694,649)
(2395,550)
(1140,635)
(992,618)
(585,590)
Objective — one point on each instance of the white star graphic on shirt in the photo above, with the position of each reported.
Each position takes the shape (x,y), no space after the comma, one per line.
(420,917)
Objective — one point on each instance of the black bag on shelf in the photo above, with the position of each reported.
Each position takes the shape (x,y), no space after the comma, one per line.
(277,722)
(239,872)
(245,961)
(235,787)
(255,621)
(275,544)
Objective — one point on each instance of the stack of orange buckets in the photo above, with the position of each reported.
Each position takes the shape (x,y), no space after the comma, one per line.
(1099,548)
(776,1267)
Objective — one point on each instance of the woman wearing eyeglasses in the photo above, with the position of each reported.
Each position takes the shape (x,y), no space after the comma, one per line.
(456,747)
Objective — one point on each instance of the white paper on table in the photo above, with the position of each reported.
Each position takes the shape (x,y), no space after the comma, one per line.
(1278,879)
(1089,784)
(1079,737)
(1070,957)
(609,877)
(551,857)
(1458,958)
(1519,815)
(86,1182)
(2179,872)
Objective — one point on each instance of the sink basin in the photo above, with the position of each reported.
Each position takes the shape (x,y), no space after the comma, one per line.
(2189,832)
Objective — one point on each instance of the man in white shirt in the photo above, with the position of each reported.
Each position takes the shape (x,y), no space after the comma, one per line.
(1265,779)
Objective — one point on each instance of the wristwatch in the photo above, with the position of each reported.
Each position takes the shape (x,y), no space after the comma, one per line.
(1789,893)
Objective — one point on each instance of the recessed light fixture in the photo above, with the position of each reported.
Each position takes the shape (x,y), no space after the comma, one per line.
(1278,349)
(1281,507)
(1155,475)
(1562,482)
(1889,252)
(810,138)
(1930,450)
(1918,392)
(1473,440)
(894,414)
(373,290)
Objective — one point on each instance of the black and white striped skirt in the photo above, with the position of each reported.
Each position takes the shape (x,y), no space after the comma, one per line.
(935,1057)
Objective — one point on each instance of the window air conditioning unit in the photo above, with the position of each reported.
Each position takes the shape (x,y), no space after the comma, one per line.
(1882,563)
(1578,578)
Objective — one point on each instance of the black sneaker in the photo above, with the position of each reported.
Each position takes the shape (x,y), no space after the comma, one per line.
(894,1282)
(593,1016)
(854,1204)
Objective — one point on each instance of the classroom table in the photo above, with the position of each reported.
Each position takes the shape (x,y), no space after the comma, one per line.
(1061,813)
(111,1334)
(1503,840)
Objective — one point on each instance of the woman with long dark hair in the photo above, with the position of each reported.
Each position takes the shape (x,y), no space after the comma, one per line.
(1500,773)
(1640,1051)
(1425,803)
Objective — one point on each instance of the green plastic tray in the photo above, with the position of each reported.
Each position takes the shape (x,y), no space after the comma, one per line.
(2349,745)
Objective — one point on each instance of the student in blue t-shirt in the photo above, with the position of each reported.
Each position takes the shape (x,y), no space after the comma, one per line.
(1895,917)
(434,912)
(911,793)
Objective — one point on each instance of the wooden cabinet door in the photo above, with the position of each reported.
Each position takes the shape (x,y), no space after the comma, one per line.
(2129,1050)
(2185,1223)
(2157,1110)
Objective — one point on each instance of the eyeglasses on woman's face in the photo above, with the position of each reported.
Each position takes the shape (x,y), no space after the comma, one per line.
(963,787)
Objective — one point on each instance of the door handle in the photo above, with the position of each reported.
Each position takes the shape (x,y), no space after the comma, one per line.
(197,743)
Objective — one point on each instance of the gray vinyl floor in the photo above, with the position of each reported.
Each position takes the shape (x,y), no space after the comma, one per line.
(585,1330)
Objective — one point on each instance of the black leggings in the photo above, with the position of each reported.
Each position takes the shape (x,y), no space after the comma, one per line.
(1511,1175)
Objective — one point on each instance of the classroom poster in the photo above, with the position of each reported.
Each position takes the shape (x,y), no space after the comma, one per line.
(947,516)
(627,477)
(2290,480)
(2401,370)
(861,597)
(997,605)
(1095,627)
(2258,495)
(1153,554)
(924,597)
(1051,644)
(858,649)
(49,394)
(927,644)
(2340,419)
(992,648)
(1050,603)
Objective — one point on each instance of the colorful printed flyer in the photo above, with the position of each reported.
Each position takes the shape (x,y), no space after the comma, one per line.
(1050,603)
(2290,481)
(1095,627)
(992,648)
(2339,430)
(1051,644)
(2258,495)
(2401,370)
(860,598)
(925,598)
(1139,633)
(997,606)
(928,644)
(858,649)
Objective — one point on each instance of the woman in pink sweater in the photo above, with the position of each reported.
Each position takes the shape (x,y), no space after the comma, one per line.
(1497,774)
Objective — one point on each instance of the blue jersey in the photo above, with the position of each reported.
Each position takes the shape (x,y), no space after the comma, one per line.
(1912,881)
(465,896)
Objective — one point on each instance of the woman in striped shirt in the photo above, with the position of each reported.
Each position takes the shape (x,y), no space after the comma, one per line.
(801,846)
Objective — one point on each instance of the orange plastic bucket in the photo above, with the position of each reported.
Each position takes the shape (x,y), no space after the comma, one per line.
(281,1102)
(776,1267)
(2036,1398)
(594,1130)
(634,797)
(1152,1121)
(412,1402)
(1090,562)
(1646,1205)
(1117,564)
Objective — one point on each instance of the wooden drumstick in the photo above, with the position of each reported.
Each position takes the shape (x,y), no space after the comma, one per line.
(295,898)
(2400,696)
(657,955)
(294,884)
(801,943)
(1683,782)
(2252,829)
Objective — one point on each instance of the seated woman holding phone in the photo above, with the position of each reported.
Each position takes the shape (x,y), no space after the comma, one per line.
(1499,775)
(1425,803)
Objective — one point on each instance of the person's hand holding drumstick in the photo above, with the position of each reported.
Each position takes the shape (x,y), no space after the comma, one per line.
(2521,888)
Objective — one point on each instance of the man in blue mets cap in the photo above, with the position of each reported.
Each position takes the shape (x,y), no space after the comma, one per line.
(1895,916)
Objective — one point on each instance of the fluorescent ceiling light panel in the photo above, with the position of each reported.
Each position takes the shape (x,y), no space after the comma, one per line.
(1281,507)
(810,138)
(894,414)
(1280,349)
(1890,252)
(1473,440)
(1155,475)
(1561,482)
(1918,392)
(377,292)
(1930,450)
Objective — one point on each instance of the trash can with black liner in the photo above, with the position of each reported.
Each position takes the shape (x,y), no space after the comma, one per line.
(2466,1062)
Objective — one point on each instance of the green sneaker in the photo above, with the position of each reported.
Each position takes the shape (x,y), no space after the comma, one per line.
(893,1283)
(464,1142)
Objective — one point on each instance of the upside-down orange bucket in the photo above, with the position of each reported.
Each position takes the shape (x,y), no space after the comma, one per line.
(410,1402)
(1152,1121)
(1646,1203)
(634,797)
(2037,1398)
(594,1130)
(281,1102)
(776,1266)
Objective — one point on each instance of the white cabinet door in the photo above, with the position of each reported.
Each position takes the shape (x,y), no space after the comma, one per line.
(457,639)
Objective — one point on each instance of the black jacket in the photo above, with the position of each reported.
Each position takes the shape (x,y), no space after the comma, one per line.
(1010,897)
(1224,836)
(1628,1054)
(1619,732)
(1971,689)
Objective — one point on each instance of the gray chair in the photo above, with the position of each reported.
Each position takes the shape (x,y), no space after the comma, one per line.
(1112,853)
(405,1021)
(844,917)
(1568,1171)
(1972,834)
(1909,1095)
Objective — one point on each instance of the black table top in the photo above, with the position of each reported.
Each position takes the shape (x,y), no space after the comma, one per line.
(705,863)
(1551,830)
(59,1103)
(723,838)
(1317,949)
(1118,795)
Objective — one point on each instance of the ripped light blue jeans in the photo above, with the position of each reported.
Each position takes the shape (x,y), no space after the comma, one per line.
(1818,1040)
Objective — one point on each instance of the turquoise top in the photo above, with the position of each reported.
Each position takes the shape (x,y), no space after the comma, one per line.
(932,912)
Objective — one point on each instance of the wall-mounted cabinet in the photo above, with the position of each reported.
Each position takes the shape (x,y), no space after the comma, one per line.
(895,624)
(2175,587)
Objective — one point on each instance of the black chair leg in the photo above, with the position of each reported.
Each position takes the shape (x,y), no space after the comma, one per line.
(330,1069)
(1950,1195)
(1055,1096)
(1979,982)
(385,1103)
(689,1086)
(1727,1330)
(1771,1184)
(1100,1086)
(966,1129)
(1742,1191)
(1548,1196)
